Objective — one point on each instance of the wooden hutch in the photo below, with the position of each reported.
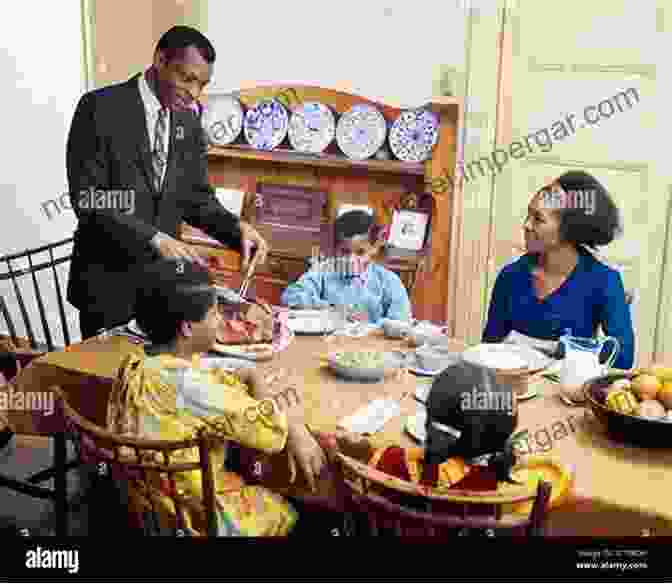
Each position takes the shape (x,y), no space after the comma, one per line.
(300,195)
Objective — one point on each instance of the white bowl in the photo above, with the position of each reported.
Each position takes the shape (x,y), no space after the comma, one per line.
(396,329)
(426,334)
(436,357)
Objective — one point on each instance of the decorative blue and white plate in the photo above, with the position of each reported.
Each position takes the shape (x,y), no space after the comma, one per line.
(222,119)
(266,124)
(414,135)
(312,127)
(361,132)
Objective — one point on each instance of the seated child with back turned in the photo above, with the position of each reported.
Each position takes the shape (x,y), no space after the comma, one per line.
(469,446)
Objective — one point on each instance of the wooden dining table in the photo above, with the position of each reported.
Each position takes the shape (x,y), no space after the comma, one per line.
(619,490)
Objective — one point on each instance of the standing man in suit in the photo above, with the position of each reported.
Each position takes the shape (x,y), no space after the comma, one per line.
(141,143)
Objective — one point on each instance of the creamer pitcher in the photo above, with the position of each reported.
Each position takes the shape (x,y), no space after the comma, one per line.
(582,362)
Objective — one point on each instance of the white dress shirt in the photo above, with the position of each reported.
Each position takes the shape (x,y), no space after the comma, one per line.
(152,107)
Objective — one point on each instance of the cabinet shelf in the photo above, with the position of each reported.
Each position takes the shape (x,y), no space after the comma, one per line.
(285,156)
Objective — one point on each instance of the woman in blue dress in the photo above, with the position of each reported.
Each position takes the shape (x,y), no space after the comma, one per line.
(559,285)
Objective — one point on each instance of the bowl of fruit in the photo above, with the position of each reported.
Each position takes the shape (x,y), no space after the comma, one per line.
(364,365)
(636,406)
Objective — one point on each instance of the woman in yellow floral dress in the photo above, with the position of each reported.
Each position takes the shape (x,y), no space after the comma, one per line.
(166,395)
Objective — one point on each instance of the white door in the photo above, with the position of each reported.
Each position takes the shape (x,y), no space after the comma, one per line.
(584,94)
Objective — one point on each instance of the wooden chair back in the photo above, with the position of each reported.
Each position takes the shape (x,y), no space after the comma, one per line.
(404,508)
(146,463)
(23,267)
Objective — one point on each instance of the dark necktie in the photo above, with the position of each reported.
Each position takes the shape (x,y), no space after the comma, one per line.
(159,154)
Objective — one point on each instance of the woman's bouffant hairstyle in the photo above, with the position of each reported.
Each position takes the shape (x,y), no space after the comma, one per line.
(591,226)
(172,292)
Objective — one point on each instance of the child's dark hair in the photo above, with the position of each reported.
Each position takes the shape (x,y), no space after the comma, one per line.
(356,223)
(592,229)
(172,292)
(476,431)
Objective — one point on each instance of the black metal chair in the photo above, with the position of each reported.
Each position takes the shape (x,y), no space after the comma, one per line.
(21,267)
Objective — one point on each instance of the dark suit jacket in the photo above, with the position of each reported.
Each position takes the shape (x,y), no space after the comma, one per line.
(108,148)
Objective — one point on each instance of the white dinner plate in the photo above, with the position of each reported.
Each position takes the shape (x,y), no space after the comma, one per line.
(415,424)
(230,364)
(310,322)
(414,367)
(507,356)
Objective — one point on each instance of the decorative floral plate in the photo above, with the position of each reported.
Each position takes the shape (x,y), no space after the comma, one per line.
(312,127)
(222,119)
(266,124)
(361,132)
(414,134)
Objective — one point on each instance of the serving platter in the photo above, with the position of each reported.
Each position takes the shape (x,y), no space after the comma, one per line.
(505,356)
(414,135)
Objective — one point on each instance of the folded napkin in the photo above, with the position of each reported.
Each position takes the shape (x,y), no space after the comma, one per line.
(516,338)
(372,417)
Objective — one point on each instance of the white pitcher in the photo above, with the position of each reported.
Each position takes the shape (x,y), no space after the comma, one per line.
(582,362)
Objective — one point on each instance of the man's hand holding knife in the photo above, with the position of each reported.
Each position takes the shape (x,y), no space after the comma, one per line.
(254,249)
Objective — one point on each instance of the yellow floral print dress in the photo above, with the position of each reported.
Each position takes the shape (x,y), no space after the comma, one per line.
(165,398)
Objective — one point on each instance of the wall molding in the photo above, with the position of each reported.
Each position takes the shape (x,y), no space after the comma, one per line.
(88,12)
(647,71)
(662,346)
(641,169)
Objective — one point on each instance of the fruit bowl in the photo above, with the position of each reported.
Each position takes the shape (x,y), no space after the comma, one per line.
(626,427)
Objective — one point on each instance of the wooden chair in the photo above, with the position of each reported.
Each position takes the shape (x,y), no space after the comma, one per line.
(25,267)
(19,271)
(60,465)
(411,512)
(131,459)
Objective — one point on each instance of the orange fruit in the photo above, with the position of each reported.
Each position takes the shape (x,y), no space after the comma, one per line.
(665,395)
(646,386)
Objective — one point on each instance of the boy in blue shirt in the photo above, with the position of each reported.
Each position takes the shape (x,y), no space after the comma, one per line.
(352,277)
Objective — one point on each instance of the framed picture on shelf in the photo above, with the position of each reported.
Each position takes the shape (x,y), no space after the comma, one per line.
(408,230)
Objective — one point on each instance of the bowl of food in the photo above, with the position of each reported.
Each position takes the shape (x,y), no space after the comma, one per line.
(364,365)
(634,407)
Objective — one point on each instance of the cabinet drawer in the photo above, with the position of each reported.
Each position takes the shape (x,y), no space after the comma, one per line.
(289,206)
